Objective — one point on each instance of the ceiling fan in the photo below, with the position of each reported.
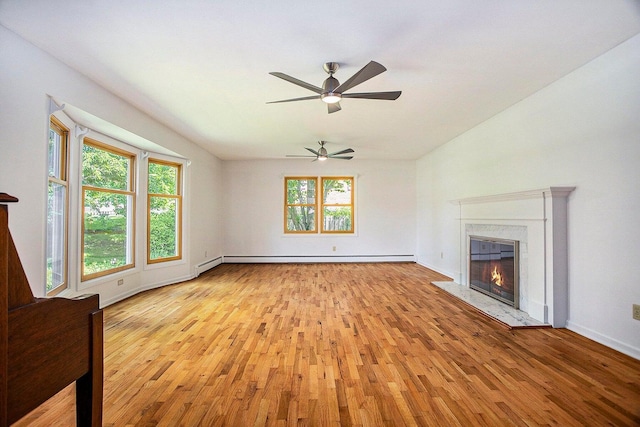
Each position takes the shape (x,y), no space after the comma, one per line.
(322,154)
(332,91)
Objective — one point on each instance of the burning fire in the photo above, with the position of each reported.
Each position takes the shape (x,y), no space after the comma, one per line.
(496,277)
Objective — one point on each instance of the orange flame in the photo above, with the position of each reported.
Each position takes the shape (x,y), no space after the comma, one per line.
(496,277)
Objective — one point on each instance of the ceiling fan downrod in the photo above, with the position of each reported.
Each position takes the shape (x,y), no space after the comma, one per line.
(331,67)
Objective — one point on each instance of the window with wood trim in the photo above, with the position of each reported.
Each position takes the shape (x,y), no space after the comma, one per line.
(108,201)
(300,212)
(164,211)
(335,205)
(57,208)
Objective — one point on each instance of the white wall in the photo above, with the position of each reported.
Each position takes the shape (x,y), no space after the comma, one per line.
(385,210)
(28,77)
(583,131)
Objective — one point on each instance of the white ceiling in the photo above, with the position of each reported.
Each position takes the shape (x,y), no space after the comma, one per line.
(201,66)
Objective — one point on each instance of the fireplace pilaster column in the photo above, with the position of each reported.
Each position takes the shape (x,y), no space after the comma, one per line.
(557,255)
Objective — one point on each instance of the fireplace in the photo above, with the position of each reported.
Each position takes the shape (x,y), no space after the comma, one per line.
(494,268)
(538,221)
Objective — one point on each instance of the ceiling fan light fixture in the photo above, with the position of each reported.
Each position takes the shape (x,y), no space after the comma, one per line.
(323,155)
(331,91)
(331,98)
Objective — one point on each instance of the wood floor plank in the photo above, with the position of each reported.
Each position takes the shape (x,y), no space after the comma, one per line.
(342,345)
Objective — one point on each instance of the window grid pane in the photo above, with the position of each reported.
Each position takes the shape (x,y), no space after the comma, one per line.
(301,191)
(301,218)
(56,139)
(57,209)
(108,210)
(163,179)
(107,231)
(56,236)
(300,205)
(337,218)
(337,205)
(164,229)
(105,169)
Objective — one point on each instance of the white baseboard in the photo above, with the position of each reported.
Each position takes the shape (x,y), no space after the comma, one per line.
(604,340)
(207,265)
(539,311)
(132,292)
(241,259)
(454,275)
(117,298)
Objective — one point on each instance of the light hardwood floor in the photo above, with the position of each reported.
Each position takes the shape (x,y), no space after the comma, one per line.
(342,344)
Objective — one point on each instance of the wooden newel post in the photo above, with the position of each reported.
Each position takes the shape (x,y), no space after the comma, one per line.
(4,304)
(45,343)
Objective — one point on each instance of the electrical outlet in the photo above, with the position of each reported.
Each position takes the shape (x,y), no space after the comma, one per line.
(441,255)
(636,311)
(120,282)
(205,254)
(334,249)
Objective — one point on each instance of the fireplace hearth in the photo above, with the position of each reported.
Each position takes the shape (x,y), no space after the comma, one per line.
(494,268)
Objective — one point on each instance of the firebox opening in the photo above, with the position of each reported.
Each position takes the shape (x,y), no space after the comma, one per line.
(493,268)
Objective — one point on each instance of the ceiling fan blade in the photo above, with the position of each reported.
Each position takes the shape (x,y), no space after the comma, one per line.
(390,96)
(342,158)
(334,107)
(296,155)
(295,99)
(348,150)
(298,82)
(370,70)
(313,151)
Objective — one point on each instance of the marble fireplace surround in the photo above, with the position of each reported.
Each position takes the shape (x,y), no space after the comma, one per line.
(538,220)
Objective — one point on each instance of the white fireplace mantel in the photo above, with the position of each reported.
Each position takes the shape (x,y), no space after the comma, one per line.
(519,195)
(538,219)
